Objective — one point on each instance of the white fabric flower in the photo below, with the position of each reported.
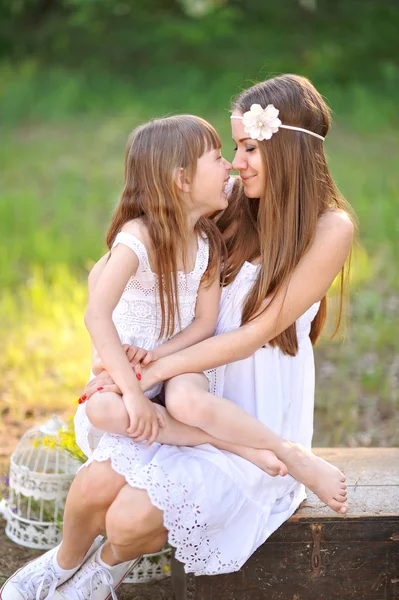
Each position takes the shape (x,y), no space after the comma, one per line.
(260,122)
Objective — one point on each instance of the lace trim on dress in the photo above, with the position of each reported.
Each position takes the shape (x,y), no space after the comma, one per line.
(186,525)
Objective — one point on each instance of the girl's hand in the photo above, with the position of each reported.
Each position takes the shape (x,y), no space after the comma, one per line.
(138,358)
(145,420)
(103,382)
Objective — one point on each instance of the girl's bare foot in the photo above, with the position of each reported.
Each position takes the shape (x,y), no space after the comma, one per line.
(325,480)
(265,460)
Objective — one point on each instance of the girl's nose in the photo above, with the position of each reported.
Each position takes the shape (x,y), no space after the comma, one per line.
(227,164)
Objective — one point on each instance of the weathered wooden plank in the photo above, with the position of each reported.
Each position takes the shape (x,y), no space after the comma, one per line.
(320,555)
(364,501)
(373,483)
(358,571)
(178,577)
(365,466)
(369,529)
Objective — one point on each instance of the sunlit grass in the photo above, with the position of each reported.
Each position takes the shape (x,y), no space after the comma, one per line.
(58,185)
(45,353)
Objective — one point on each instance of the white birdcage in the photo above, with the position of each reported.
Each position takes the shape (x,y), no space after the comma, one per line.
(40,476)
(151,567)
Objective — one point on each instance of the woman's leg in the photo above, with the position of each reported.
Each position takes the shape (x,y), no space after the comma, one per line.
(134,527)
(91,494)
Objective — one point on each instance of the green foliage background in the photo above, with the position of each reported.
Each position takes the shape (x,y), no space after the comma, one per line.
(77,75)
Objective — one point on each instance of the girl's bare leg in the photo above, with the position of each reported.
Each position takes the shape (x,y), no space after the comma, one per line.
(179,434)
(188,400)
(91,494)
(106,411)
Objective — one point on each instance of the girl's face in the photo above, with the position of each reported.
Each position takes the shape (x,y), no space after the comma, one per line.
(248,160)
(208,187)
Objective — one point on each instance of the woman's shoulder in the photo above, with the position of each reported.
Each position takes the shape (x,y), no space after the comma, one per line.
(336,222)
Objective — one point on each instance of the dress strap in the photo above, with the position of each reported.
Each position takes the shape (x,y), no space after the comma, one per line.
(202,259)
(132,242)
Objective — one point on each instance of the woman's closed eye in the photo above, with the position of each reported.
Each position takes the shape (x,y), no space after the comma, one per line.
(250,149)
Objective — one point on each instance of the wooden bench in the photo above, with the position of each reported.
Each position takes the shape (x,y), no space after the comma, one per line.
(317,554)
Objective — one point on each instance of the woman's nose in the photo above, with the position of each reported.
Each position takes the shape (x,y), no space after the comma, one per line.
(239,162)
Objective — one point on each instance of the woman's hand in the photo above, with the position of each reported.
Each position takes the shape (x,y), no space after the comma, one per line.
(149,376)
(103,382)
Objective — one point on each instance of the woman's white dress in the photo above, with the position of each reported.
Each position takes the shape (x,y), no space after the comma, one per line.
(218,507)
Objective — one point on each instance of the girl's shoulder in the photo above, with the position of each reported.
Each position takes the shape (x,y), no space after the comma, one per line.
(134,234)
(137,229)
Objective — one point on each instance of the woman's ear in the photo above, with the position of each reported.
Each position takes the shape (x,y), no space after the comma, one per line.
(180,179)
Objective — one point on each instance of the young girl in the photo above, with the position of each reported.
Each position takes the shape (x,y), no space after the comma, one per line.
(175,176)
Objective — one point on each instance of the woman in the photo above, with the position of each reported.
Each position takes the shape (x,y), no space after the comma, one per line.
(288,237)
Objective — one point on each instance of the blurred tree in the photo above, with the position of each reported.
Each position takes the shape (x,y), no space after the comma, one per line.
(340,41)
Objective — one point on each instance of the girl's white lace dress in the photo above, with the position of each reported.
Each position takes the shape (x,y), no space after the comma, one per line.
(138,317)
(218,507)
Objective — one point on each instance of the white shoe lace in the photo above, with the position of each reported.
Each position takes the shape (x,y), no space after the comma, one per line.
(102,575)
(35,583)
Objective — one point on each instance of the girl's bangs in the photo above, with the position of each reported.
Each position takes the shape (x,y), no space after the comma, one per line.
(211,139)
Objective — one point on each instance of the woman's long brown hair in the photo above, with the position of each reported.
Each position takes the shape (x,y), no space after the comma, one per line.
(154,151)
(280,226)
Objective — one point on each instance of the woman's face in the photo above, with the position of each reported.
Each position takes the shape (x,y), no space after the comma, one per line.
(248,160)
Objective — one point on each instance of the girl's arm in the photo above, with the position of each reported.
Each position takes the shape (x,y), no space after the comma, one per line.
(203,326)
(94,276)
(105,290)
(308,284)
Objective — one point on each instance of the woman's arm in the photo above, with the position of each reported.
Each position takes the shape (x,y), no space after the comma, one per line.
(308,284)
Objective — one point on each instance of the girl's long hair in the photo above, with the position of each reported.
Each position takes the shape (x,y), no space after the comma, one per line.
(154,152)
(280,226)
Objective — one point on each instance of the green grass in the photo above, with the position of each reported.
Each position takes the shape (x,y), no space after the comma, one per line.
(62,174)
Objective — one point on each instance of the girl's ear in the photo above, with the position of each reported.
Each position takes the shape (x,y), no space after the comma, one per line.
(180,179)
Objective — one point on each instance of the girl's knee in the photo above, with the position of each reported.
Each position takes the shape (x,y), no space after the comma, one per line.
(97,410)
(176,405)
(186,405)
(181,399)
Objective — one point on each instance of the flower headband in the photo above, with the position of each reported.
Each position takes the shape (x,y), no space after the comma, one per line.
(261,123)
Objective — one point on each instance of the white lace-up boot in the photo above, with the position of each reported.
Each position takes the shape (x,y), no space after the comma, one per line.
(95,580)
(38,579)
